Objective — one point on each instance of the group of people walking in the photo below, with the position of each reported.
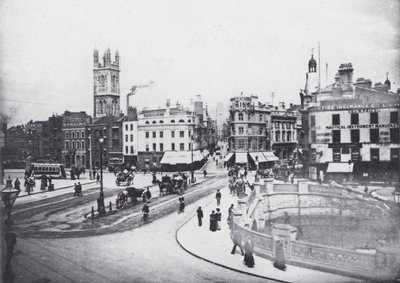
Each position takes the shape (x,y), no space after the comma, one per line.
(78,189)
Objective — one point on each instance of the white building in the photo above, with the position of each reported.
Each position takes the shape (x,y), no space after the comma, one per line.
(130,141)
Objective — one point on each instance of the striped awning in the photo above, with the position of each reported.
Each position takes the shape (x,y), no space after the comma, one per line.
(340,167)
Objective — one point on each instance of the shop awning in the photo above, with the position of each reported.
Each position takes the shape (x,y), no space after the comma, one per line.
(270,156)
(241,157)
(181,157)
(205,152)
(197,155)
(340,167)
(258,156)
(229,156)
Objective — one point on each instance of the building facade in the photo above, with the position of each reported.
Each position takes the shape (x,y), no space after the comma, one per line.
(75,139)
(106,98)
(249,124)
(130,142)
(160,130)
(352,123)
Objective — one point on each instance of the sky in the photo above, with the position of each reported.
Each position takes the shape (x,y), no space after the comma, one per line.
(216,49)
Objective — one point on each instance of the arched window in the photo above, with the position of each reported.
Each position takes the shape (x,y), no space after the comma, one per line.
(83,144)
(181,121)
(66,144)
(72,144)
(104,107)
(172,121)
(147,122)
(72,135)
(161,122)
(78,145)
(153,122)
(66,135)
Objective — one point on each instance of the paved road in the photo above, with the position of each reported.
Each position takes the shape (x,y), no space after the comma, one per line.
(146,254)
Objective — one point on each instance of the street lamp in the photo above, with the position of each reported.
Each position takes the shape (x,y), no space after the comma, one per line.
(9,195)
(100,200)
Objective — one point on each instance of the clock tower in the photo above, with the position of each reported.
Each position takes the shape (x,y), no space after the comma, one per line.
(106,100)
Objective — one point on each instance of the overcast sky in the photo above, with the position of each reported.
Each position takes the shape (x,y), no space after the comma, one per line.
(211,48)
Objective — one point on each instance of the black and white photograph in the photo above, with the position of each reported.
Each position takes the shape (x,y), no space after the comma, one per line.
(199,141)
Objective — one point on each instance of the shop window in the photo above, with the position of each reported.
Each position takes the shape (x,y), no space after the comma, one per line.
(336,154)
(355,154)
(394,157)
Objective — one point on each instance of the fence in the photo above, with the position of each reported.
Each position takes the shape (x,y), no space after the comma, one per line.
(285,188)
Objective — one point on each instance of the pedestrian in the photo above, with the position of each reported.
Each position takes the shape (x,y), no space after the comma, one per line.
(79,189)
(76,190)
(237,241)
(181,204)
(230,211)
(219,217)
(17,184)
(248,252)
(279,256)
(98,178)
(365,192)
(205,173)
(200,215)
(213,221)
(218,197)
(145,211)
(148,194)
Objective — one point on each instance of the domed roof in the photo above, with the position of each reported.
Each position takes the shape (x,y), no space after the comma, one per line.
(312,61)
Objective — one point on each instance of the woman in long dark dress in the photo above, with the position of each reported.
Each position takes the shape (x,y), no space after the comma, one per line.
(279,256)
(248,253)
(213,221)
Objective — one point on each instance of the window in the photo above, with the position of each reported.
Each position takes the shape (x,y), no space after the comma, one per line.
(355,154)
(67,135)
(147,122)
(240,116)
(131,138)
(161,147)
(147,147)
(335,119)
(189,121)
(131,127)
(283,136)
(73,145)
(126,149)
(336,136)
(126,138)
(355,135)
(153,122)
(374,135)
(132,152)
(394,157)
(241,131)
(241,144)
(181,121)
(190,134)
(172,134)
(161,122)
(82,144)
(161,134)
(82,135)
(312,121)
(260,131)
(374,154)
(154,134)
(313,137)
(277,125)
(277,136)
(336,154)
(181,146)
(289,136)
(354,118)
(172,146)
(260,118)
(172,121)
(126,126)
(394,135)
(181,134)
(67,144)
(374,118)
(154,146)
(147,135)
(72,135)
(394,117)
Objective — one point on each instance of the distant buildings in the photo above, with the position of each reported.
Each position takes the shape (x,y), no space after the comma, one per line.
(350,127)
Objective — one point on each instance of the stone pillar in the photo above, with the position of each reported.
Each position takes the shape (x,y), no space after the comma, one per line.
(302,186)
(269,183)
(242,205)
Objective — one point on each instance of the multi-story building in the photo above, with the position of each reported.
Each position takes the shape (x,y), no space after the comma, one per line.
(53,139)
(284,132)
(204,132)
(15,147)
(130,142)
(167,129)
(353,126)
(75,138)
(249,124)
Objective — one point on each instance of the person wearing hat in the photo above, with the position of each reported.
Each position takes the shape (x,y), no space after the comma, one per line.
(219,217)
(200,215)
(248,252)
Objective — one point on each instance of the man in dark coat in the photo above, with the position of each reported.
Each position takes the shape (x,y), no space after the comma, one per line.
(145,211)
(200,215)
(148,194)
(17,184)
(218,197)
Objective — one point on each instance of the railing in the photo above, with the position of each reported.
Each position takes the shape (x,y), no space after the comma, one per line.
(285,188)
(324,190)
(263,244)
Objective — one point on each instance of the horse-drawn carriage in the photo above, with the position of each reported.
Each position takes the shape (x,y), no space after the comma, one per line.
(174,185)
(129,192)
(124,178)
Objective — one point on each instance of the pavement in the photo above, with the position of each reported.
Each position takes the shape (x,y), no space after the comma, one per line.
(215,247)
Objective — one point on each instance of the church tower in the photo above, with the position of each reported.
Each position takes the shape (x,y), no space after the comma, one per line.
(106,85)
(311,77)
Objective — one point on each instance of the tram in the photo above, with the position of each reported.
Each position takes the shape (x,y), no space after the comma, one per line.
(55,170)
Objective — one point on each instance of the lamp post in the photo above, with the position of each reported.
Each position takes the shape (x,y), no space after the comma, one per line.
(9,195)
(100,200)
(90,157)
(192,167)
